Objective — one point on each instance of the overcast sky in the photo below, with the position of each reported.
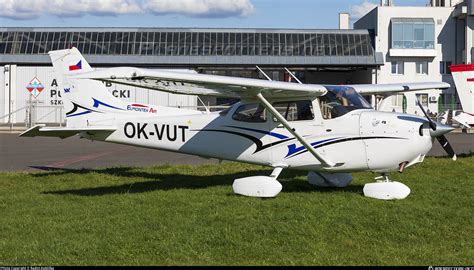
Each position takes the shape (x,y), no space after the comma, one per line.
(314,14)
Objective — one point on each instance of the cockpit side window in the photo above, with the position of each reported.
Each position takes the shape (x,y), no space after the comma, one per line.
(339,100)
(295,110)
(250,113)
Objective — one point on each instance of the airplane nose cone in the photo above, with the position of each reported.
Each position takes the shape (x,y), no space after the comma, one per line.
(441,129)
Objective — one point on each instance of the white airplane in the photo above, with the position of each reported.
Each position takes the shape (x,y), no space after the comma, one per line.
(328,130)
(463,76)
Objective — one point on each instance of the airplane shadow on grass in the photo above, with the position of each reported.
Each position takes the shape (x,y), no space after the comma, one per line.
(173,181)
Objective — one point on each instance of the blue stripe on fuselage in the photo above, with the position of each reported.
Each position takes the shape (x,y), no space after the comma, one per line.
(292,149)
(98,102)
(77,114)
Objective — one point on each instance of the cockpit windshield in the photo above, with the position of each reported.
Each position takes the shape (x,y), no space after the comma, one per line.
(340,100)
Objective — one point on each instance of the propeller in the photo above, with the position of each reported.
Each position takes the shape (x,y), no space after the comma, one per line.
(438,131)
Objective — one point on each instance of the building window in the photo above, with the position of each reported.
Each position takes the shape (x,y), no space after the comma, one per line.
(423,99)
(397,100)
(440,3)
(413,33)
(398,67)
(422,68)
(444,67)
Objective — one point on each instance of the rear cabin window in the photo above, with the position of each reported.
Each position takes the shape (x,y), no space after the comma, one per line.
(295,110)
(250,113)
(225,112)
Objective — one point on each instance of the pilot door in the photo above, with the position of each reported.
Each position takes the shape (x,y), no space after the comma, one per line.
(302,116)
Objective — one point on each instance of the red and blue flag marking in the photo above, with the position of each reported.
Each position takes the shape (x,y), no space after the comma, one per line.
(77,66)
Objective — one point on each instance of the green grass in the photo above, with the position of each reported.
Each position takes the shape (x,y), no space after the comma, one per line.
(188,215)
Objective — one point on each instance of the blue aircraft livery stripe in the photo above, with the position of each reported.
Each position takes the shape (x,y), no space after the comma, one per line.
(344,140)
(98,102)
(273,134)
(292,149)
(78,114)
(258,143)
(72,113)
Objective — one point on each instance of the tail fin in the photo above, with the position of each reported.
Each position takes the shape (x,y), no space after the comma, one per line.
(85,101)
(463,76)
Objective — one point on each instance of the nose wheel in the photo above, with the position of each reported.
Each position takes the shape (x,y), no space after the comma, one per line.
(385,189)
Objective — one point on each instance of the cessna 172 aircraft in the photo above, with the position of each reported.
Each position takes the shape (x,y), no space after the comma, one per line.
(328,130)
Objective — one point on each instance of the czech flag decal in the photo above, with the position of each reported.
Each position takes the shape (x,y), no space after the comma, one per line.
(77,66)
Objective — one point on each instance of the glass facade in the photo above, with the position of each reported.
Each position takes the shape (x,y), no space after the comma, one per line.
(190,43)
(413,33)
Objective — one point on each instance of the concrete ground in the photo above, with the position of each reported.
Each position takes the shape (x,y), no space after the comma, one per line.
(19,154)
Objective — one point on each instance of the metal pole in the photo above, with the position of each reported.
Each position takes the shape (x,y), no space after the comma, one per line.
(10,115)
(35,106)
(10,96)
(30,107)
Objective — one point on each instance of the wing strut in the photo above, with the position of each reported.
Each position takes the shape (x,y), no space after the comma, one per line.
(264,74)
(293,76)
(285,123)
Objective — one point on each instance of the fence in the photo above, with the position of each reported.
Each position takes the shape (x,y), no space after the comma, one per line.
(34,114)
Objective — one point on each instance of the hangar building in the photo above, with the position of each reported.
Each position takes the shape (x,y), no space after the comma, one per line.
(317,56)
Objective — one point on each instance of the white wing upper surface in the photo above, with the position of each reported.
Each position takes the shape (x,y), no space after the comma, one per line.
(224,86)
(370,89)
(202,84)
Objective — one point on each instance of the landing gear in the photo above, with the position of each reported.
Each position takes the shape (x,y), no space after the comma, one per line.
(385,189)
(259,186)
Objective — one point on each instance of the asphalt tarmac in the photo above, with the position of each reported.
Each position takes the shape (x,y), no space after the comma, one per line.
(29,154)
(20,154)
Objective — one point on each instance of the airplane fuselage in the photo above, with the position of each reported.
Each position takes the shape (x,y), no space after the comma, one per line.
(360,140)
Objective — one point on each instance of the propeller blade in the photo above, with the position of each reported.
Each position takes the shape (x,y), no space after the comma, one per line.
(431,123)
(447,146)
(439,134)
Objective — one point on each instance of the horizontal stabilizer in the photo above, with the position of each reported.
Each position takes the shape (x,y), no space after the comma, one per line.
(40,130)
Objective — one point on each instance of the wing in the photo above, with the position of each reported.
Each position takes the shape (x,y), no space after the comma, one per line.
(387,89)
(224,86)
(202,84)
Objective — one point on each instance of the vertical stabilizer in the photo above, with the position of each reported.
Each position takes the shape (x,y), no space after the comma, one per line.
(85,101)
(463,76)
